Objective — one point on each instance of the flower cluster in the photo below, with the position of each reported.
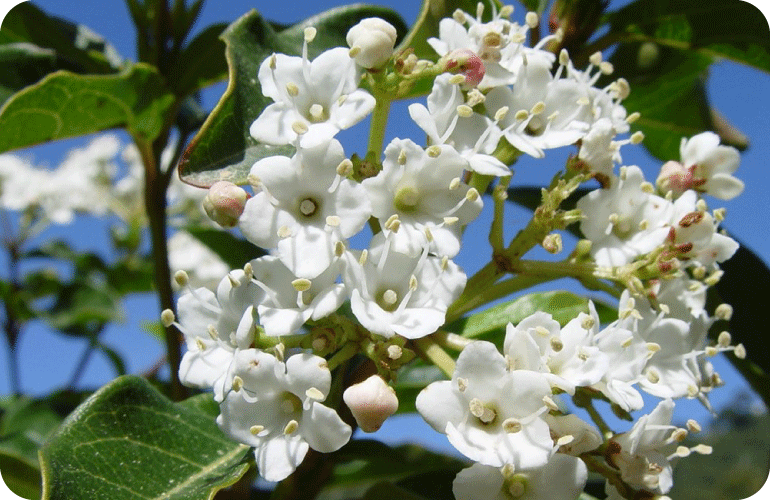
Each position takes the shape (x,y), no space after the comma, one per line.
(268,339)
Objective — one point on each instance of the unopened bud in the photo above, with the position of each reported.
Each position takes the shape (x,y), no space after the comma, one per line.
(552,243)
(374,38)
(371,402)
(224,203)
(467,63)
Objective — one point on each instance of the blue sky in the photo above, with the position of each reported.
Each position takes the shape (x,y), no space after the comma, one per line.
(740,93)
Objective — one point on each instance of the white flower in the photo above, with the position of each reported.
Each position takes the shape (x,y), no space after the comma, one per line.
(276,408)
(644,460)
(625,220)
(694,236)
(475,137)
(582,437)
(599,150)
(303,207)
(313,100)
(498,43)
(372,41)
(491,415)
(424,192)
(562,478)
(565,355)
(371,402)
(214,326)
(543,112)
(628,354)
(289,302)
(705,167)
(393,293)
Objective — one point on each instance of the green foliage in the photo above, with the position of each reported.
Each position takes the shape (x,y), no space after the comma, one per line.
(65,104)
(33,44)
(24,425)
(232,250)
(128,441)
(223,148)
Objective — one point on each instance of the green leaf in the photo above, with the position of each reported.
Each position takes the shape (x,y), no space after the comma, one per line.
(223,147)
(668,91)
(64,104)
(750,304)
(201,63)
(734,29)
(82,304)
(24,426)
(364,463)
(413,378)
(33,44)
(127,441)
(490,324)
(234,251)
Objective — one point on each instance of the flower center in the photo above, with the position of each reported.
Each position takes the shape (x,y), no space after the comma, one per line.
(407,198)
(388,300)
(535,127)
(317,113)
(308,207)
(515,486)
(485,413)
(290,403)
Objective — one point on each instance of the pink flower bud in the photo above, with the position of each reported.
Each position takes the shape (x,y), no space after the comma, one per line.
(371,402)
(467,63)
(224,203)
(677,178)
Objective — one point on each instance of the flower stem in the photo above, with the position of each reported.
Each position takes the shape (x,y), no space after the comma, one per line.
(378,125)
(428,349)
(345,353)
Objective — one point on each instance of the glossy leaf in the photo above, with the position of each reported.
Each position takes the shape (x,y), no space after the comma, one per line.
(24,426)
(223,148)
(365,463)
(64,104)
(732,29)
(668,91)
(749,303)
(490,324)
(232,250)
(127,441)
(201,63)
(33,44)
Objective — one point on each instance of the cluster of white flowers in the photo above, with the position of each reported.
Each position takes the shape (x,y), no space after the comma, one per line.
(501,410)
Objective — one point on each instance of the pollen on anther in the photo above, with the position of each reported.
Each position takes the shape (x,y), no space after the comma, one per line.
(464,110)
(181,278)
(454,183)
(237,383)
(292,89)
(284,232)
(167,318)
(291,427)
(299,128)
(450,220)
(301,284)
(256,429)
(333,220)
(501,113)
(310,33)
(314,393)
(512,425)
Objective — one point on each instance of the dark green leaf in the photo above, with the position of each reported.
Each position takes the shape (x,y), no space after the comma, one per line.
(388,491)
(364,463)
(490,324)
(749,303)
(235,252)
(201,63)
(33,44)
(223,148)
(24,426)
(65,104)
(117,362)
(668,91)
(127,441)
(729,29)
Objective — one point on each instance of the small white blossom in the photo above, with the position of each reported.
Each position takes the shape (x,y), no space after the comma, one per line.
(426,195)
(297,200)
(313,100)
(475,137)
(562,478)
(491,415)
(393,293)
(705,166)
(624,221)
(276,408)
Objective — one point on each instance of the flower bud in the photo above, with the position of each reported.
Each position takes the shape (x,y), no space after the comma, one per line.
(371,402)
(371,42)
(676,177)
(224,203)
(467,63)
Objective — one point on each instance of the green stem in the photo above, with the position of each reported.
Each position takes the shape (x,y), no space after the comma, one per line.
(155,205)
(594,464)
(428,349)
(378,125)
(494,292)
(587,274)
(345,353)
(449,340)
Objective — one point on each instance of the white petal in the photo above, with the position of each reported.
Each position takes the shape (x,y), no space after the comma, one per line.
(323,429)
(278,457)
